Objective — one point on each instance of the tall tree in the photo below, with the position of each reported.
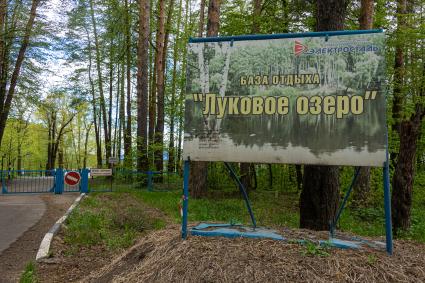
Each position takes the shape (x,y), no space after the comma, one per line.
(320,194)
(173,106)
(127,133)
(409,91)
(93,102)
(198,172)
(362,187)
(201,18)
(256,16)
(102,102)
(6,96)
(159,63)
(247,170)
(142,84)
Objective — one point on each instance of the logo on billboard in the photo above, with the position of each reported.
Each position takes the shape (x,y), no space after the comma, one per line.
(299,48)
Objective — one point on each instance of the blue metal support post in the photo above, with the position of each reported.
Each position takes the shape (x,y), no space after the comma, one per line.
(59,182)
(185,197)
(341,208)
(387,204)
(3,184)
(84,181)
(149,181)
(243,191)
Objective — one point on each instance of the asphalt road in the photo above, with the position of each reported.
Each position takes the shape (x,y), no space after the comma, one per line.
(17,214)
(24,220)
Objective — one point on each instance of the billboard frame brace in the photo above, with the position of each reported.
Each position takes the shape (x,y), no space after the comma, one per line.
(232,173)
(243,191)
(333,224)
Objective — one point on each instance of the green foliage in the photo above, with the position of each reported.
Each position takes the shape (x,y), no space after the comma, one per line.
(371,259)
(311,249)
(29,274)
(110,219)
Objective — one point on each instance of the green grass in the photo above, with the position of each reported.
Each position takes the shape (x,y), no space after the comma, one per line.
(111,219)
(272,209)
(28,276)
(277,208)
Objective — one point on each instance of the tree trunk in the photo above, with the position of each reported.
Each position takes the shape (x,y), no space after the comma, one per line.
(111,90)
(152,110)
(142,85)
(320,195)
(100,82)
(256,16)
(213,24)
(246,176)
(159,62)
(86,145)
(402,183)
(171,145)
(186,35)
(198,171)
(201,18)
(127,133)
(361,190)
(122,127)
(6,102)
(366,14)
(299,177)
(93,102)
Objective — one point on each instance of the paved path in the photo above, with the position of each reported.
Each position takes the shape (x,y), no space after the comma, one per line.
(24,220)
(17,214)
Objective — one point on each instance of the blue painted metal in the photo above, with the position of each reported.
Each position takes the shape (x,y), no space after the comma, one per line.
(26,181)
(59,182)
(3,184)
(337,243)
(282,35)
(201,226)
(387,206)
(84,186)
(243,191)
(341,208)
(185,197)
(150,180)
(232,231)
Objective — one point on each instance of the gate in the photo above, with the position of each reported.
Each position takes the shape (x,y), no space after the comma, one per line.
(53,181)
(28,181)
(40,181)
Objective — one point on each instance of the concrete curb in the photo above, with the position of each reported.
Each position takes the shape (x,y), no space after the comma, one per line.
(43,251)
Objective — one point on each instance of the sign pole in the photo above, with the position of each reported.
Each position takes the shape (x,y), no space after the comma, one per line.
(185,197)
(387,205)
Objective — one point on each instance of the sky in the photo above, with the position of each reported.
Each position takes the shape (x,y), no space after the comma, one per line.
(54,11)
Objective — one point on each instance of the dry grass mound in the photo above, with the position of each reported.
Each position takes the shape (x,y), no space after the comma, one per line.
(163,257)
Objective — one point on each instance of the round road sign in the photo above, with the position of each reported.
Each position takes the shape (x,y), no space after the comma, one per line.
(72,178)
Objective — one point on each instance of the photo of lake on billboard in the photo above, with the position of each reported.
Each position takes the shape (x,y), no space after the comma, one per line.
(306,100)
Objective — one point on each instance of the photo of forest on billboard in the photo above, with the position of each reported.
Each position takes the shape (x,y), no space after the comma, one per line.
(306,100)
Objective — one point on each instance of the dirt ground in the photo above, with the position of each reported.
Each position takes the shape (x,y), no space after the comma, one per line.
(23,250)
(71,264)
(161,256)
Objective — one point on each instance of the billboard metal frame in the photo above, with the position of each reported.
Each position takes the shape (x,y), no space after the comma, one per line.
(385,166)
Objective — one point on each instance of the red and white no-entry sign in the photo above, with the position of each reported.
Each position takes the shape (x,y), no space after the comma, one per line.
(72,178)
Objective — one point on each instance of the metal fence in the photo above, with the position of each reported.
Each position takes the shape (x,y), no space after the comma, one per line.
(28,181)
(52,181)
(138,180)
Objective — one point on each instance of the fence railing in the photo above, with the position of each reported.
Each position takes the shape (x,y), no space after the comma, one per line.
(52,181)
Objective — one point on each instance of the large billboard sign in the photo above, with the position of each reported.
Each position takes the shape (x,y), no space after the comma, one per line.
(316,99)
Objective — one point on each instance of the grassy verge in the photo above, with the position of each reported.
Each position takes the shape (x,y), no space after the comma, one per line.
(110,219)
(29,275)
(281,209)
(117,224)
